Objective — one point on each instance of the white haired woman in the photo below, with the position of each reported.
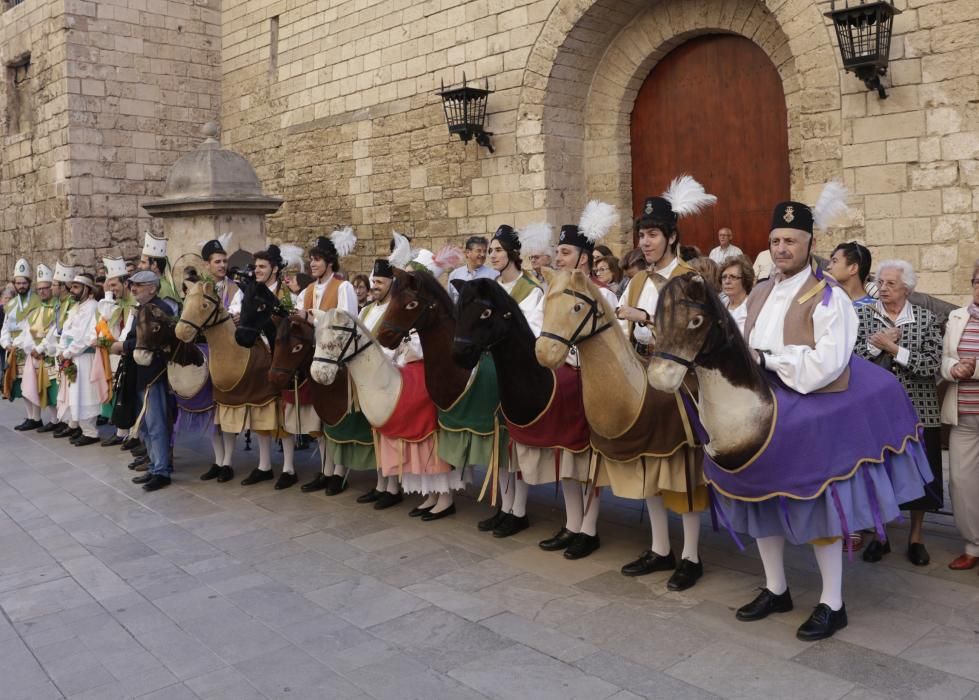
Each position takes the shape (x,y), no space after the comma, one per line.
(960,409)
(907,340)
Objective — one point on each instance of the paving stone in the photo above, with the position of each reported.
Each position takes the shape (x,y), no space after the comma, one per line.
(290,673)
(399,676)
(639,679)
(948,649)
(227,684)
(235,640)
(337,644)
(470,607)
(365,602)
(22,676)
(44,599)
(551,642)
(180,652)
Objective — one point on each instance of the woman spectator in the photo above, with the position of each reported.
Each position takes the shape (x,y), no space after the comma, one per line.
(906,340)
(849,265)
(737,279)
(608,271)
(600,253)
(960,409)
(362,287)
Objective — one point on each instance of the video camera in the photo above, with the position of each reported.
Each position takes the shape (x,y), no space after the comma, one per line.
(242,274)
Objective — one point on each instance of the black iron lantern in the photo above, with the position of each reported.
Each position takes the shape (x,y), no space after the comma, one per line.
(864,33)
(465,112)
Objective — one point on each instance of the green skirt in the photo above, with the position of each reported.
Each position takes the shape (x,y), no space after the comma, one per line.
(351,442)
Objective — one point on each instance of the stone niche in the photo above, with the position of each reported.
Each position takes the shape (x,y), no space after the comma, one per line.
(211,191)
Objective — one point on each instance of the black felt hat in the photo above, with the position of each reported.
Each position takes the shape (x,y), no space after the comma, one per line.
(508,238)
(382,268)
(212,247)
(324,248)
(657,212)
(572,235)
(794,215)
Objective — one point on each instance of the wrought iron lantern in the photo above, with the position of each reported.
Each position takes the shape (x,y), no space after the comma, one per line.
(465,112)
(864,33)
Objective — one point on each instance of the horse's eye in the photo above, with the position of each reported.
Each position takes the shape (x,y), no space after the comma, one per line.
(486,314)
(695,322)
(262,307)
(156,327)
(577,308)
(412,304)
(297,347)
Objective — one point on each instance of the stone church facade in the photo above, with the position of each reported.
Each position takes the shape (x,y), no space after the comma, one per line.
(334,103)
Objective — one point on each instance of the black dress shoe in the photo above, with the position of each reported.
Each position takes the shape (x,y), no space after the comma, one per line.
(387,500)
(335,485)
(917,554)
(432,515)
(156,483)
(285,480)
(317,484)
(84,440)
(29,424)
(562,540)
(142,478)
(112,441)
(129,444)
(139,462)
(648,562)
(49,427)
(876,550)
(256,476)
(582,546)
(226,475)
(511,525)
(419,512)
(138,451)
(66,432)
(764,605)
(369,497)
(211,473)
(492,522)
(685,576)
(822,623)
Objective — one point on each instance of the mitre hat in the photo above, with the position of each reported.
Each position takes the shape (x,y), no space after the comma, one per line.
(63,273)
(44,274)
(154,246)
(22,268)
(114,267)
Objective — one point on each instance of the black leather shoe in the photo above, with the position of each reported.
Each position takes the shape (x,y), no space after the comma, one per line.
(226,475)
(511,525)
(492,522)
(29,424)
(257,476)
(142,478)
(764,605)
(156,483)
(335,485)
(648,562)
(917,554)
(317,484)
(582,546)
(562,540)
(369,497)
(66,432)
(211,473)
(876,550)
(285,480)
(432,515)
(388,500)
(138,451)
(419,512)
(686,575)
(822,623)
(49,427)
(84,441)
(129,444)
(112,441)
(139,462)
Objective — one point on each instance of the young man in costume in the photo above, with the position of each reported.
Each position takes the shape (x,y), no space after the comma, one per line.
(15,323)
(215,256)
(43,386)
(117,315)
(659,240)
(154,259)
(76,351)
(269,266)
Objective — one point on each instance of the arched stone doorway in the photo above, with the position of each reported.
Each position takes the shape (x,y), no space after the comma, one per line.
(714,108)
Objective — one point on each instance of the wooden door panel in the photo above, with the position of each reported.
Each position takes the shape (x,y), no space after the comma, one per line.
(714,108)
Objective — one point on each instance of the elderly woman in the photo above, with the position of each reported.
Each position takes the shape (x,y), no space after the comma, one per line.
(737,279)
(906,340)
(960,410)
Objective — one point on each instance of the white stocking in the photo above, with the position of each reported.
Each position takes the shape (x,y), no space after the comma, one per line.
(829,557)
(120,432)
(288,454)
(691,536)
(574,509)
(520,492)
(381,481)
(326,458)
(33,410)
(264,451)
(393,485)
(217,444)
(772,550)
(430,501)
(444,501)
(589,522)
(229,447)
(507,480)
(660,524)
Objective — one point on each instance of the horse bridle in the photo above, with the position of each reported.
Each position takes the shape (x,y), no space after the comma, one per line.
(290,336)
(352,339)
(592,315)
(689,364)
(207,323)
(469,343)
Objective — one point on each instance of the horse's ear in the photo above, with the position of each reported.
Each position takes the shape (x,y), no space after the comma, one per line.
(658,281)
(548,274)
(458,284)
(698,287)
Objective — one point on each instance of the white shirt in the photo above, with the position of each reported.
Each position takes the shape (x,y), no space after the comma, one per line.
(648,298)
(803,368)
(466,275)
(764,266)
(532,306)
(10,326)
(719,255)
(346,296)
(904,318)
(373,314)
(740,315)
(78,333)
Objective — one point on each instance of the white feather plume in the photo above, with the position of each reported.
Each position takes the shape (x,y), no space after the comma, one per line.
(535,239)
(597,220)
(292,256)
(225,240)
(401,255)
(448,257)
(687,196)
(830,205)
(344,240)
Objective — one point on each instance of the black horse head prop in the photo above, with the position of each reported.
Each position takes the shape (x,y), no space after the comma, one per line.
(260,310)
(486,316)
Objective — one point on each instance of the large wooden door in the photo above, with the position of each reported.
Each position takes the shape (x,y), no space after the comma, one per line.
(714,108)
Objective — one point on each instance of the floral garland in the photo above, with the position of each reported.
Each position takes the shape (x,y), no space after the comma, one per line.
(69,369)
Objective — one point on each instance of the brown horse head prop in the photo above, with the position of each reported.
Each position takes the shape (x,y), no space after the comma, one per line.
(155,331)
(293,354)
(202,310)
(417,301)
(574,311)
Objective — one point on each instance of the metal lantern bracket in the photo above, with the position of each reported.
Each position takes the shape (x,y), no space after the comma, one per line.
(465,112)
(864,34)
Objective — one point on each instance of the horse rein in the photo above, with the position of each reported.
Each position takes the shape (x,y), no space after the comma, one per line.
(593,315)
(352,339)
(670,357)
(207,323)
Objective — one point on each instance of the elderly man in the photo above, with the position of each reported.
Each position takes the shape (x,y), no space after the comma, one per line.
(151,381)
(76,353)
(15,316)
(154,259)
(33,342)
(475,266)
(725,249)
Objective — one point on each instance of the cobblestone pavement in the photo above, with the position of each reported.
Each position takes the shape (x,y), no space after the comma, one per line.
(223,591)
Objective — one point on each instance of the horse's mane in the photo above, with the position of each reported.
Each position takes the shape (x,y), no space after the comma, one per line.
(434,289)
(501,299)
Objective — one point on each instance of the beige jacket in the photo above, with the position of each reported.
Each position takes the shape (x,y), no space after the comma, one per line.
(950,357)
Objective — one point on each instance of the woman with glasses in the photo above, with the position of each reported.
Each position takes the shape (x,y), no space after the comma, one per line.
(608,271)
(960,409)
(737,279)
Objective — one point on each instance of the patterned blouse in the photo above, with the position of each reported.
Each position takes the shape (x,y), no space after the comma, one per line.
(969,388)
(921,338)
